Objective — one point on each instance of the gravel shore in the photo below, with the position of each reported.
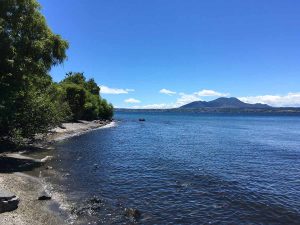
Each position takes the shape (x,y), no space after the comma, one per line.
(31,211)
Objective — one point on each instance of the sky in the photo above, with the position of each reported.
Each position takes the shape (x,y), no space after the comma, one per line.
(166,53)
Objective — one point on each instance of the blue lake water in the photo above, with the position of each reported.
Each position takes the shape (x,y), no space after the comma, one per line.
(185,168)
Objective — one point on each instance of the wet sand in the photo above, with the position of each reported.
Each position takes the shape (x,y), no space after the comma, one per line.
(31,211)
(13,178)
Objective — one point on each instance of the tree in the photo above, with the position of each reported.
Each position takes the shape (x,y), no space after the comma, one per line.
(92,87)
(76,98)
(75,78)
(84,98)
(38,114)
(28,50)
(106,111)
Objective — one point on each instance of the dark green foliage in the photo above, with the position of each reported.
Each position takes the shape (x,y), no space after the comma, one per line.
(92,87)
(91,107)
(30,102)
(39,113)
(28,50)
(27,45)
(75,97)
(75,78)
(84,98)
(106,110)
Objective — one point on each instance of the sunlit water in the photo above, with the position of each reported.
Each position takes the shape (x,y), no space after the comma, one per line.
(178,168)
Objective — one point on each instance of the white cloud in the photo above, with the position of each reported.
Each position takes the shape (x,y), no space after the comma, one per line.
(291,99)
(167,92)
(114,91)
(186,98)
(206,92)
(152,106)
(132,100)
(182,99)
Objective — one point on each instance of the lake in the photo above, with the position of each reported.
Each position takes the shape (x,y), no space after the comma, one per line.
(184,168)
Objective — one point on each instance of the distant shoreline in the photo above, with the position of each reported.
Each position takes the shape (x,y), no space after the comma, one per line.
(223,105)
(282,110)
(28,188)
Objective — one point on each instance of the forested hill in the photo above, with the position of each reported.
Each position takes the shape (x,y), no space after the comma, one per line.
(30,102)
(224,103)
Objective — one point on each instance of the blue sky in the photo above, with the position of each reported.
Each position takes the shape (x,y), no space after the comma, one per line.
(164,53)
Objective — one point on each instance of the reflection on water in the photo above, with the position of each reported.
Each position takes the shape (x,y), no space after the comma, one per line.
(185,169)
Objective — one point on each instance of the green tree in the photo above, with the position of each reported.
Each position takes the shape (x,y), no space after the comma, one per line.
(92,87)
(76,98)
(40,111)
(75,78)
(84,98)
(106,111)
(28,49)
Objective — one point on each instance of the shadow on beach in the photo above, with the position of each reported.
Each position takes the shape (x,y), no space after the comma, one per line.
(9,147)
(10,165)
(6,146)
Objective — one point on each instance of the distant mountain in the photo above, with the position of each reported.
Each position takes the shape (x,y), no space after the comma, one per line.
(228,103)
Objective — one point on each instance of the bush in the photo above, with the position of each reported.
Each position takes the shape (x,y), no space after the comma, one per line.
(84,98)
(28,50)
(75,96)
(36,112)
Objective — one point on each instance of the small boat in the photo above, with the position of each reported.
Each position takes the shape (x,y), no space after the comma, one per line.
(142,119)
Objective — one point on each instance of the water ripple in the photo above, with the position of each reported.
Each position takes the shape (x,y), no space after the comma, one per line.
(186,169)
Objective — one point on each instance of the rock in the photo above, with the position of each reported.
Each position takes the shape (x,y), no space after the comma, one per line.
(44,197)
(66,175)
(62,126)
(95,200)
(8,201)
(130,212)
(89,207)
(96,166)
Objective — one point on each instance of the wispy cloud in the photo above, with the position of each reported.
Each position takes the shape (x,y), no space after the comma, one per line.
(153,106)
(167,92)
(196,96)
(206,93)
(132,100)
(181,100)
(114,91)
(185,99)
(291,99)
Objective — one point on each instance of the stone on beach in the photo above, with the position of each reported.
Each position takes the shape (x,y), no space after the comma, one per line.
(130,212)
(8,201)
(62,126)
(44,197)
